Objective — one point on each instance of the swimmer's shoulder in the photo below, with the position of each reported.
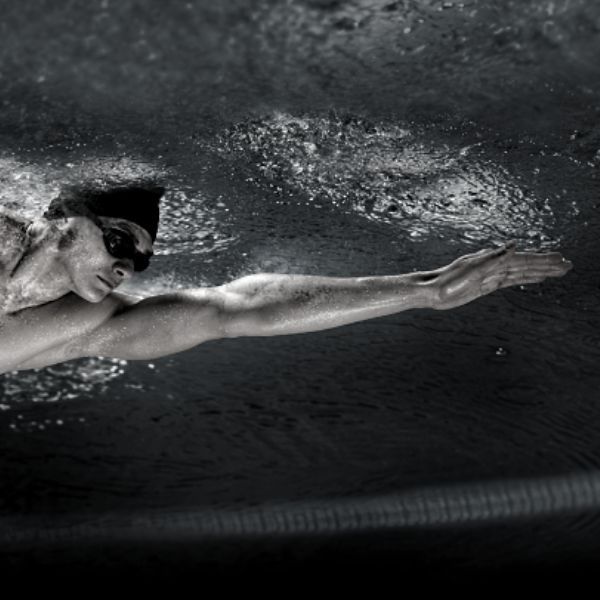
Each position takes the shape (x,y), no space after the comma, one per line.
(12,232)
(57,331)
(12,224)
(11,218)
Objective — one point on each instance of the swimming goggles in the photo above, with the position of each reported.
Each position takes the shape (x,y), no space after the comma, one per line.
(120,245)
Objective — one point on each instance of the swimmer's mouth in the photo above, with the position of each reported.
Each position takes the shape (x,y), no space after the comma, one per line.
(106,283)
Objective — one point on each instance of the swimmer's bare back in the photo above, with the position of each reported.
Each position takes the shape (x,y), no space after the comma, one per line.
(123,326)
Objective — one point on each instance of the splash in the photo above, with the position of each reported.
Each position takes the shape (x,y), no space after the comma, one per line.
(69,381)
(391,174)
(29,184)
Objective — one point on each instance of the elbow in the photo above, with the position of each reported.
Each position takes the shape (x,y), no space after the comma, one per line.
(242,315)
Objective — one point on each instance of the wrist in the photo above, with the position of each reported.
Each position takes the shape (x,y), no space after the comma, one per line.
(427,282)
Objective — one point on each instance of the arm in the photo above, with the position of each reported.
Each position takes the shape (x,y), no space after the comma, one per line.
(257,305)
(271,304)
(264,305)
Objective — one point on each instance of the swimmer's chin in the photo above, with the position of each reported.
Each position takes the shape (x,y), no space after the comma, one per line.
(94,295)
(93,298)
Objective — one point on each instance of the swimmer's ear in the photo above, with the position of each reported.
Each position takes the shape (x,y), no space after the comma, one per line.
(72,207)
(59,224)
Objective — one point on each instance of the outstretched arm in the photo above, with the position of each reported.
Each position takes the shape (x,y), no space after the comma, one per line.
(272,304)
(283,304)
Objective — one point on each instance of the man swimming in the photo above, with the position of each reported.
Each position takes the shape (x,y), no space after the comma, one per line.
(58,276)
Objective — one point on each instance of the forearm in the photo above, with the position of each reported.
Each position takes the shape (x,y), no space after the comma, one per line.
(273,304)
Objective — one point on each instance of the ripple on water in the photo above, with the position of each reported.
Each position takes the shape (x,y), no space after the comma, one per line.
(68,381)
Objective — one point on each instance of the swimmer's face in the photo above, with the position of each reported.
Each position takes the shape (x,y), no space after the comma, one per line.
(86,247)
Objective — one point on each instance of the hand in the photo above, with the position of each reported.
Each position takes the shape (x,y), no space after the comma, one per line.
(475,275)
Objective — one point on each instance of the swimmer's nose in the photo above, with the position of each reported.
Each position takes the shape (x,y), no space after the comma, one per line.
(123,269)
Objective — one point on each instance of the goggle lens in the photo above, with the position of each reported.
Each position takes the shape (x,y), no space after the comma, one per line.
(120,245)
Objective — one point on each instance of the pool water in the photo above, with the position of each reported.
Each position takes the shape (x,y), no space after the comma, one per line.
(317,137)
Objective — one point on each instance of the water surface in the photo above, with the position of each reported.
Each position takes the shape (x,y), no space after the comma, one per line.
(317,137)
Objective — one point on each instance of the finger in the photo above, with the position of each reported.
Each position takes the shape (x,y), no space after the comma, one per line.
(489,251)
(538,264)
(474,254)
(517,267)
(511,281)
(534,258)
(533,276)
(498,257)
(507,253)
(525,275)
(507,248)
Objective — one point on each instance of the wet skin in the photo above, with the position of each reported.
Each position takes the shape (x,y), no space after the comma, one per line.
(59,269)
(57,298)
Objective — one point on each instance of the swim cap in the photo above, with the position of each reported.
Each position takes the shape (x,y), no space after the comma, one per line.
(136,204)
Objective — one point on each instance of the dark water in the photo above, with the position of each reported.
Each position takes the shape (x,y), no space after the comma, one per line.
(317,137)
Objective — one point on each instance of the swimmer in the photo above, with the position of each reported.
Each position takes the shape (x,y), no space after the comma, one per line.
(59,273)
